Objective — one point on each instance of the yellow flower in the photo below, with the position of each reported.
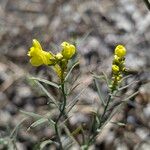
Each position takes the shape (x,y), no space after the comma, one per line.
(115,68)
(38,56)
(68,50)
(120,51)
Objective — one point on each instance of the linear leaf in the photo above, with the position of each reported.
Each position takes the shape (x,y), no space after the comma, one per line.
(44,143)
(118,108)
(41,121)
(15,130)
(67,76)
(70,134)
(47,93)
(31,114)
(99,92)
(83,38)
(106,79)
(74,101)
(46,81)
(124,87)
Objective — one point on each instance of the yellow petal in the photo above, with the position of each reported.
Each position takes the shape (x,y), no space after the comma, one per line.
(36,61)
(38,56)
(36,44)
(46,58)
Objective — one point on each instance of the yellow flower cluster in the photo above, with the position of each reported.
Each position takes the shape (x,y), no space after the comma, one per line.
(59,61)
(38,56)
(118,66)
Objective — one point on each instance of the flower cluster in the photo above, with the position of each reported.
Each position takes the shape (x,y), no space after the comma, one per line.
(59,61)
(118,66)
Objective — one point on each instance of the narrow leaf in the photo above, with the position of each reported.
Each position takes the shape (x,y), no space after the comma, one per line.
(124,87)
(99,92)
(119,124)
(118,108)
(31,114)
(74,101)
(46,81)
(15,130)
(106,79)
(44,143)
(47,93)
(37,123)
(42,121)
(84,37)
(67,76)
(70,134)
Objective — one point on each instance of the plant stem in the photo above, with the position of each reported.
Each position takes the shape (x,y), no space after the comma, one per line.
(64,98)
(62,113)
(105,110)
(92,139)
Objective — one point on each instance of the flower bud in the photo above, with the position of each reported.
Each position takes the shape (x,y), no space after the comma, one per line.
(115,68)
(68,50)
(120,51)
(59,56)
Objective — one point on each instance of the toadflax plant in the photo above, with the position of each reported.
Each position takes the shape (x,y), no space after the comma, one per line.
(81,137)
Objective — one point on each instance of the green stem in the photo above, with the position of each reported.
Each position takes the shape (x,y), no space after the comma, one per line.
(92,139)
(105,110)
(62,113)
(64,98)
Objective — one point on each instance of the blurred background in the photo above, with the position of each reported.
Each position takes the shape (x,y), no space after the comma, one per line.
(97,26)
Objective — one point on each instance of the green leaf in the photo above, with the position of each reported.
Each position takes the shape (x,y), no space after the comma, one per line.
(84,37)
(99,92)
(106,79)
(73,88)
(47,93)
(46,82)
(126,86)
(67,76)
(15,130)
(42,121)
(119,124)
(44,143)
(117,109)
(103,76)
(31,114)
(70,135)
(132,95)
(74,101)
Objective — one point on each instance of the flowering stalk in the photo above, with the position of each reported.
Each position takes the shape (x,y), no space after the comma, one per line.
(118,68)
(59,64)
